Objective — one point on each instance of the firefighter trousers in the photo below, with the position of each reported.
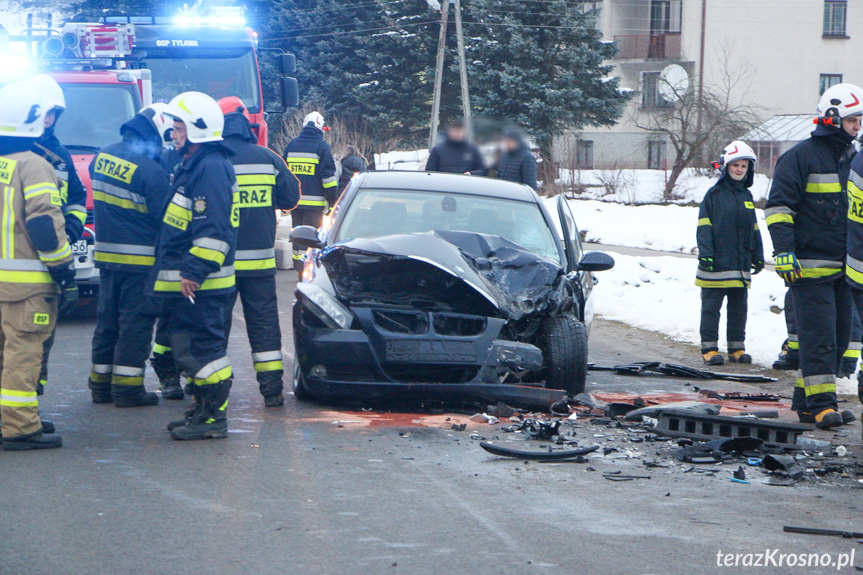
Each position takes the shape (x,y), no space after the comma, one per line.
(304,217)
(24,327)
(124,330)
(711,305)
(196,335)
(850,356)
(791,326)
(823,315)
(261,313)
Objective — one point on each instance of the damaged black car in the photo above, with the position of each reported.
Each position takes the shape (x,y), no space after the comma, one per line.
(437,286)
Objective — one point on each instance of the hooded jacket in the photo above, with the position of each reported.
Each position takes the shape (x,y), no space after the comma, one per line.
(198,234)
(728,233)
(265,184)
(456,157)
(130,189)
(72,191)
(310,159)
(808,204)
(32,227)
(352,165)
(517,165)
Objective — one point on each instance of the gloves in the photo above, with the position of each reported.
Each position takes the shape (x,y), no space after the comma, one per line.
(705,264)
(788,267)
(757,267)
(64,276)
(74,228)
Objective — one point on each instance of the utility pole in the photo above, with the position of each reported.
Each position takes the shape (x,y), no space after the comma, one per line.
(462,67)
(438,77)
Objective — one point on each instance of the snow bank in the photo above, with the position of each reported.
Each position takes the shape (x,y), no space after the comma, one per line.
(659,294)
(414,160)
(668,228)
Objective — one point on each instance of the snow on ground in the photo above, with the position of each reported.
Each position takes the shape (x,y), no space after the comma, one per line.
(667,228)
(414,160)
(659,294)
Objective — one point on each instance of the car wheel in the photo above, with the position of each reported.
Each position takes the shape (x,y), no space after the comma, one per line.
(300,390)
(566,350)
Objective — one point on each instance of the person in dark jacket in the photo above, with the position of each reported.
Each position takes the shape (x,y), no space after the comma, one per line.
(265,184)
(352,164)
(72,193)
(730,250)
(193,278)
(455,154)
(130,188)
(806,216)
(516,164)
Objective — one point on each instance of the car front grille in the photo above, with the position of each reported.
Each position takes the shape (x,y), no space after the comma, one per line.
(399,321)
(417,323)
(459,325)
(424,373)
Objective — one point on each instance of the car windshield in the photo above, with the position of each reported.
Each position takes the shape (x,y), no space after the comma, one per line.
(378,213)
(94,114)
(215,74)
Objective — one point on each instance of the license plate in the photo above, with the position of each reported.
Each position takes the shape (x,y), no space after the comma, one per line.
(434,350)
(79,248)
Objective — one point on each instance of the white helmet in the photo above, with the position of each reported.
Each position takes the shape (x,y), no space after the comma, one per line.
(201,114)
(842,101)
(50,91)
(22,111)
(316,119)
(157,114)
(737,150)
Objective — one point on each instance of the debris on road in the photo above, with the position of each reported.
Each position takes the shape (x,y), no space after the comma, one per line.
(484,418)
(683,423)
(783,464)
(828,532)
(536,455)
(673,370)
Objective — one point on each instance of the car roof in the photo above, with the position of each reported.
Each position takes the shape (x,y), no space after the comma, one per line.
(455,183)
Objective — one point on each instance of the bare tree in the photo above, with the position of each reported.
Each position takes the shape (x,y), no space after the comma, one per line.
(698,123)
(342,133)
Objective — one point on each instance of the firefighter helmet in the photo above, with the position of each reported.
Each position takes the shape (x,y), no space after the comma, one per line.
(316,120)
(201,114)
(50,91)
(737,150)
(233,105)
(842,101)
(22,111)
(163,124)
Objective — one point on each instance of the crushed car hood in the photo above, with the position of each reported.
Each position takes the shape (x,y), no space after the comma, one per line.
(463,271)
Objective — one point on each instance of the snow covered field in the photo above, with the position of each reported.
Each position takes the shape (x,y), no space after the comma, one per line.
(659,294)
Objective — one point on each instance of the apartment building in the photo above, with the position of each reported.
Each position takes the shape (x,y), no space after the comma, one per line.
(785,53)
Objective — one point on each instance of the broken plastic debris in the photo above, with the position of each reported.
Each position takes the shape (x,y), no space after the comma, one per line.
(841,451)
(483,418)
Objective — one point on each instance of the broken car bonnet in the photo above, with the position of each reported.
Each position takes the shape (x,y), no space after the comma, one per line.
(454,269)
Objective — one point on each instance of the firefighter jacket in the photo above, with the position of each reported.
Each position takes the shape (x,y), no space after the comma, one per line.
(129,191)
(198,234)
(854,262)
(309,157)
(728,234)
(72,191)
(265,184)
(807,207)
(32,226)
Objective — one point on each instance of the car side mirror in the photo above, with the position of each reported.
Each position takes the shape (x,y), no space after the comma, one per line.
(596,262)
(306,237)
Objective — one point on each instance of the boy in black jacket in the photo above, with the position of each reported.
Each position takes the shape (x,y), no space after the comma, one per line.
(729,252)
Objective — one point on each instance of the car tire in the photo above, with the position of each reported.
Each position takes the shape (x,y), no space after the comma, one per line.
(299,386)
(566,340)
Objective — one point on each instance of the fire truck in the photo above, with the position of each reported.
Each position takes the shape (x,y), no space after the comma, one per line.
(111,69)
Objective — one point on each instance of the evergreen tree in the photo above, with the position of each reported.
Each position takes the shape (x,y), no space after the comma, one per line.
(540,63)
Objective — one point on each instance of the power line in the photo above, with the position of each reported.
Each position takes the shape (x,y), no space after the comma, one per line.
(342,33)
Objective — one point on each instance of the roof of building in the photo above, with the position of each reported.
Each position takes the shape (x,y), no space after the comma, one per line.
(782,128)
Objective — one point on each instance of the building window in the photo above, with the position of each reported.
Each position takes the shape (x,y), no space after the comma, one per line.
(828,80)
(656,155)
(584,154)
(835,16)
(651,97)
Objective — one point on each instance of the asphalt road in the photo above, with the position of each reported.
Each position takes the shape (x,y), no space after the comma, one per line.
(312,490)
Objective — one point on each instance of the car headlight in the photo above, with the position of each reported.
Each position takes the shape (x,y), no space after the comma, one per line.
(327,308)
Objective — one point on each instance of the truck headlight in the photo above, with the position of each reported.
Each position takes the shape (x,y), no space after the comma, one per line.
(327,308)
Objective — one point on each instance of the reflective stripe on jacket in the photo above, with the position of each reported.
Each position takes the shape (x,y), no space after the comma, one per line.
(32,227)
(310,159)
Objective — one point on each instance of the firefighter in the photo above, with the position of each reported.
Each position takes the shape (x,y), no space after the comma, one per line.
(265,184)
(194,273)
(806,215)
(129,189)
(309,157)
(854,258)
(72,192)
(35,258)
(730,251)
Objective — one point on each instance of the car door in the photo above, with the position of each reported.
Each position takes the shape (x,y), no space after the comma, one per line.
(582,282)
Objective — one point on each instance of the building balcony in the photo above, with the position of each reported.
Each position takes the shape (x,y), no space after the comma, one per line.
(648,47)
